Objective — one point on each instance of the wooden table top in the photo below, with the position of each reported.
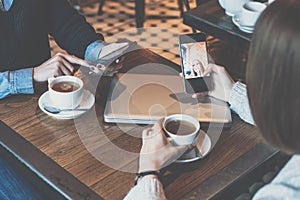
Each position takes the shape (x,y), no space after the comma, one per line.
(210,18)
(237,150)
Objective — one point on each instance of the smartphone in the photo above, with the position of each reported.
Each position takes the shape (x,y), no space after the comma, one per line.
(108,59)
(194,61)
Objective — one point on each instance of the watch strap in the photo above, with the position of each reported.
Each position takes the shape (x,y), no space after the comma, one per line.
(142,174)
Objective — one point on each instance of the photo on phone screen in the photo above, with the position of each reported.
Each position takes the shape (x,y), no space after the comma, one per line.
(195,59)
(194,62)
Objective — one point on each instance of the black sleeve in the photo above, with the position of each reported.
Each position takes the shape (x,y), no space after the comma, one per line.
(70,30)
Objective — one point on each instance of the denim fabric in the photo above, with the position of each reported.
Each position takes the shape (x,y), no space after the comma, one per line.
(93,50)
(13,185)
(20,81)
(7,4)
(17,82)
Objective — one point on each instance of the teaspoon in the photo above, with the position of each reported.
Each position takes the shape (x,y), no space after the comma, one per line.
(55,110)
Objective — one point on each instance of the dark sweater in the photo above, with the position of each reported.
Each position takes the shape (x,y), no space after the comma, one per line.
(25,27)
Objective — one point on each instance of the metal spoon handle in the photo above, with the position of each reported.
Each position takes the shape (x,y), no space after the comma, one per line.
(78,109)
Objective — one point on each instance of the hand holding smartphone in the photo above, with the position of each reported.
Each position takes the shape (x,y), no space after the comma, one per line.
(194,61)
(111,61)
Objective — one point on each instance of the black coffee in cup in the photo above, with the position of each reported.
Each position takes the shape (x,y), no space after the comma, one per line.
(65,86)
(178,127)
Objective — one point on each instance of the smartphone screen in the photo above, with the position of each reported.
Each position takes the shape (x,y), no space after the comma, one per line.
(194,62)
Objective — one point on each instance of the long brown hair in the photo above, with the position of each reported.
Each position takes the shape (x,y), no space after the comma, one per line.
(273,75)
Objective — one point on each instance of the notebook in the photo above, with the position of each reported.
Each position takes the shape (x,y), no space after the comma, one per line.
(144,98)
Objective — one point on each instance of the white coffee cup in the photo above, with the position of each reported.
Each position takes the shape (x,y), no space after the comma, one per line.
(65,99)
(189,137)
(232,7)
(270,1)
(250,13)
(222,3)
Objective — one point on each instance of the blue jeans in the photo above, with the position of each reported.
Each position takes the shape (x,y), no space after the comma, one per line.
(13,186)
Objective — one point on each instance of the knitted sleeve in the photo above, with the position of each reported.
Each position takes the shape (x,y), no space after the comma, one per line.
(286,185)
(69,29)
(239,102)
(147,189)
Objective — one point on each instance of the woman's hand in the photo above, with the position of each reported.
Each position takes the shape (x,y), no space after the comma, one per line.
(156,151)
(108,70)
(112,50)
(58,65)
(112,59)
(222,83)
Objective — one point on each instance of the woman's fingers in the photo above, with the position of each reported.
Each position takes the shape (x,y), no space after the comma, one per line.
(158,125)
(58,72)
(68,61)
(155,134)
(199,95)
(75,60)
(179,150)
(66,67)
(210,69)
(155,129)
(147,132)
(58,65)
(64,70)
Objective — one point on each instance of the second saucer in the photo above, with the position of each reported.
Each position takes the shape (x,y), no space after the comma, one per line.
(87,102)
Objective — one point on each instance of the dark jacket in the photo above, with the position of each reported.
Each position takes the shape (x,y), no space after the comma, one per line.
(24,31)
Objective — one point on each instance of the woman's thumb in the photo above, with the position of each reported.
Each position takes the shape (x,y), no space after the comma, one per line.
(183,148)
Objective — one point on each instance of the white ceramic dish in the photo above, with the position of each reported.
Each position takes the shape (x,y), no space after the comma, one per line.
(87,102)
(247,29)
(203,147)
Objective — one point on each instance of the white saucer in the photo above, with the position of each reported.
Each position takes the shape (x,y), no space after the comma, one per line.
(229,13)
(203,147)
(87,102)
(247,29)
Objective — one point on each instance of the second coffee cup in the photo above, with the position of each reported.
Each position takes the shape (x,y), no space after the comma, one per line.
(250,13)
(65,92)
(232,7)
(182,129)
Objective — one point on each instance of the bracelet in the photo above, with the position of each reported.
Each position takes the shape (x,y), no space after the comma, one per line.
(8,75)
(142,174)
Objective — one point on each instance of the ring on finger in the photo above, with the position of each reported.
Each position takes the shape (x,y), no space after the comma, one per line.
(148,131)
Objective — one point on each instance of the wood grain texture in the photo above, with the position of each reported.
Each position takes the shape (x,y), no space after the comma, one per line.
(211,19)
(59,139)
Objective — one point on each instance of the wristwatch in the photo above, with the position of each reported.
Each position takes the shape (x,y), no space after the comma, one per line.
(142,174)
